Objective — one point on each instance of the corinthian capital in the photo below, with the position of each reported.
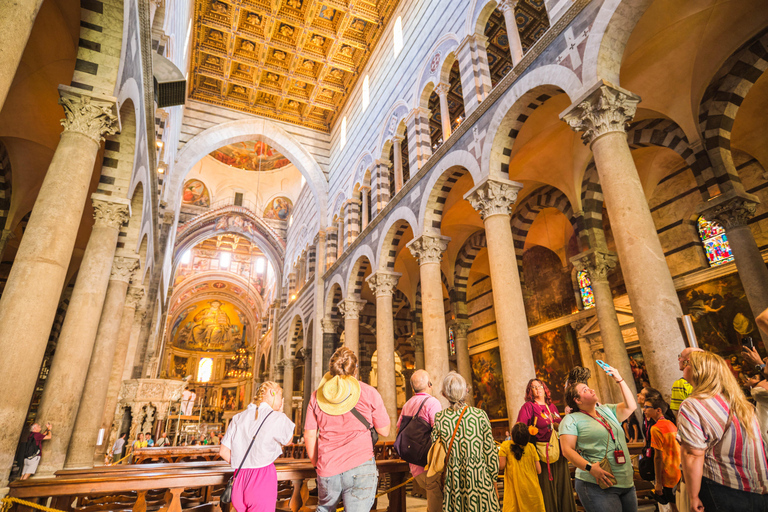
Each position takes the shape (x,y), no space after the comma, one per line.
(493,197)
(123,268)
(461,328)
(597,263)
(428,248)
(417,342)
(94,117)
(329,325)
(442,89)
(351,308)
(604,109)
(383,282)
(134,296)
(731,209)
(109,212)
(507,5)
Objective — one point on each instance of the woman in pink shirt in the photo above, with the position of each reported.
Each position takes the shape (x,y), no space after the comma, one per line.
(339,444)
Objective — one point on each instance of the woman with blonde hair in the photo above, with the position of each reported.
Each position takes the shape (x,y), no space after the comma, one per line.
(253,441)
(722,452)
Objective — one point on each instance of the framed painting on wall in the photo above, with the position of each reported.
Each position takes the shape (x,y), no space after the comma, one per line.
(488,383)
(555,352)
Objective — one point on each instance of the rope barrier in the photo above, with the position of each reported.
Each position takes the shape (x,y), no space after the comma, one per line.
(121,460)
(8,502)
(385,492)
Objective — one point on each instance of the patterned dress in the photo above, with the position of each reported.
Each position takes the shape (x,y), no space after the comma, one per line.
(474,464)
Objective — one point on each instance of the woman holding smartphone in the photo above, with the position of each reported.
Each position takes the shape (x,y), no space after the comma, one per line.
(592,434)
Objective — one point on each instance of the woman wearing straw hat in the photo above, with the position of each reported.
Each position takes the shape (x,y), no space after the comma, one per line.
(337,436)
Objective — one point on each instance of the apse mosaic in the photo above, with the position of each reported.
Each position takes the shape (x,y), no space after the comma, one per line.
(716,244)
(278,209)
(488,383)
(555,352)
(209,326)
(720,313)
(195,193)
(251,156)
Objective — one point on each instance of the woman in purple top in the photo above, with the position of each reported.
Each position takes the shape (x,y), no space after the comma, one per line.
(554,479)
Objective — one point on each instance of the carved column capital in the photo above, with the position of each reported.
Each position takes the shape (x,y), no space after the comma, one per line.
(329,325)
(398,139)
(109,212)
(383,282)
(461,328)
(428,248)
(92,116)
(351,308)
(288,364)
(507,5)
(597,263)
(604,109)
(134,296)
(493,197)
(417,342)
(730,210)
(442,89)
(123,268)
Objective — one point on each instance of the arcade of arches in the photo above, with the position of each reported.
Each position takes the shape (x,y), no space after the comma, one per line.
(507,190)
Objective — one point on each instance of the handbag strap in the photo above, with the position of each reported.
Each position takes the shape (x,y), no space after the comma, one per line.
(360,417)
(251,445)
(456,429)
(419,409)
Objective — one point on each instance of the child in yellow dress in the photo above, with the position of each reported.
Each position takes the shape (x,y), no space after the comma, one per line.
(520,462)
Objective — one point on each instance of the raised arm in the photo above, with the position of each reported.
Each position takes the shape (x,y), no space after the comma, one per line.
(628,406)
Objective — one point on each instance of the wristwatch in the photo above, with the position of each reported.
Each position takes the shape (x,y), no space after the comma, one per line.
(761,367)
(588,467)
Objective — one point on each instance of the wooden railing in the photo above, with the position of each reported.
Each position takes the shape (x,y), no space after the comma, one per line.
(180,487)
(175,454)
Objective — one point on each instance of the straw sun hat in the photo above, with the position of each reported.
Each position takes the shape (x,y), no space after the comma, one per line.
(338,394)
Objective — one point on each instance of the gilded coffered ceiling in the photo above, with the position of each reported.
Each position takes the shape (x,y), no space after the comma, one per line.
(292,60)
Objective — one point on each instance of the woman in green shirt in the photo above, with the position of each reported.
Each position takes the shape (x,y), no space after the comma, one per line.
(593,432)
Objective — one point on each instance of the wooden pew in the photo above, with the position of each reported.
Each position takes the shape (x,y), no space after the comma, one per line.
(176,454)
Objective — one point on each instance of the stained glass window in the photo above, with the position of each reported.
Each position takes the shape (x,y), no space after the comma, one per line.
(451,341)
(715,242)
(585,288)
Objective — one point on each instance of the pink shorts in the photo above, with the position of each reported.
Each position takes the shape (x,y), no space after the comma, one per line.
(255,489)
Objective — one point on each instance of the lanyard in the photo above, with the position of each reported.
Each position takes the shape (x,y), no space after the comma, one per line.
(604,423)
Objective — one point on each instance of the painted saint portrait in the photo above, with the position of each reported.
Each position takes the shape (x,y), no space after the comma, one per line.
(195,193)
(180,367)
(488,383)
(279,209)
(721,314)
(637,364)
(251,155)
(554,354)
(212,326)
(547,286)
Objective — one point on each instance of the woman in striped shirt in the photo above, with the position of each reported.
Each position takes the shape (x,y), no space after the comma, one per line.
(723,457)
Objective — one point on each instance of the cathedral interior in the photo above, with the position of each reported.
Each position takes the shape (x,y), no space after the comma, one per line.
(197,196)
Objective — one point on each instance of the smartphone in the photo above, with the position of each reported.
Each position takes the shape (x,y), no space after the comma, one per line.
(602,364)
(748,343)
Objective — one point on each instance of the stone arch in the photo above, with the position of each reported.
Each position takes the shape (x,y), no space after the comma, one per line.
(433,71)
(400,220)
(296,333)
(251,129)
(526,212)
(332,299)
(364,261)
(363,170)
(478,15)
(440,183)
(106,50)
(527,94)
(722,99)
(464,260)
(392,121)
(591,199)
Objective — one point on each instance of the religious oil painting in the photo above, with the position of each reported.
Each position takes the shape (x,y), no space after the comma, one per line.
(721,315)
(547,286)
(488,383)
(212,326)
(251,156)
(231,400)
(196,194)
(278,209)
(637,363)
(555,352)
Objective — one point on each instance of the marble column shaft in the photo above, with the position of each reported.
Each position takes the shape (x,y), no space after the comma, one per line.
(383,284)
(351,308)
(460,330)
(445,113)
(17,17)
(602,114)
(513,34)
(428,251)
(397,151)
(33,289)
(365,214)
(288,365)
(129,322)
(65,382)
(329,342)
(82,445)
(307,384)
(417,342)
(493,199)
(598,264)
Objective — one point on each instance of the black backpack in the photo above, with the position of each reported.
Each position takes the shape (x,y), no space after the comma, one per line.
(645,465)
(414,438)
(31,449)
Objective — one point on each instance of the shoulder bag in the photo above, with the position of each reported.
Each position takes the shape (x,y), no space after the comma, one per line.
(414,438)
(549,451)
(438,457)
(605,464)
(226,497)
(368,426)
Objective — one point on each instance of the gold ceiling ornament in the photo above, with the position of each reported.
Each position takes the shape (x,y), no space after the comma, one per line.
(291,60)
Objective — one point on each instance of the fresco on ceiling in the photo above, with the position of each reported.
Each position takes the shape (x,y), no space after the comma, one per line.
(721,315)
(488,383)
(278,209)
(196,194)
(547,287)
(211,326)
(251,156)
(555,352)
